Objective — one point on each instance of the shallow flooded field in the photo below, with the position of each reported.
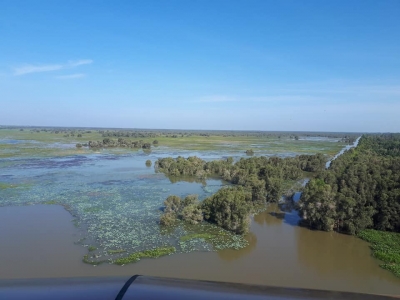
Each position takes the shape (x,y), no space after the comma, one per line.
(116,201)
(60,205)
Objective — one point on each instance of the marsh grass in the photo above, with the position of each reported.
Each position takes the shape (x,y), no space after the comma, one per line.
(385,246)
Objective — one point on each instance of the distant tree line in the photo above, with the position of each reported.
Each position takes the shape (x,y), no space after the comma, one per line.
(360,190)
(148,133)
(256,180)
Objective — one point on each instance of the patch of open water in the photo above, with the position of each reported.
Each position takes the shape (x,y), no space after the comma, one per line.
(40,245)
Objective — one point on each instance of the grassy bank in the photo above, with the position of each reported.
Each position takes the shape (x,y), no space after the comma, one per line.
(385,246)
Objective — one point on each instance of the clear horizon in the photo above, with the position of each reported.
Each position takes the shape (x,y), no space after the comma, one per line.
(207,65)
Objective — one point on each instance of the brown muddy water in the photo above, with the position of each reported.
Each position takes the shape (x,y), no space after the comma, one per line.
(38,242)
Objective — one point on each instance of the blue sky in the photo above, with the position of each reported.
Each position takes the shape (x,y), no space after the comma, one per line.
(243,65)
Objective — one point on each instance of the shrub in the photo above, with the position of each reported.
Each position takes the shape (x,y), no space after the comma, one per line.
(168,219)
(172,204)
(229,208)
(249,152)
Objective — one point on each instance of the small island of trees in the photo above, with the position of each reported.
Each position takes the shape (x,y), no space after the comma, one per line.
(120,142)
(250,152)
(255,180)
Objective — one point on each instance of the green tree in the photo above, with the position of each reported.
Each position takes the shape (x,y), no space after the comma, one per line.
(229,208)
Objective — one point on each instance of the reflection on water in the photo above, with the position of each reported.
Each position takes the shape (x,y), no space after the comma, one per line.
(265,217)
(335,254)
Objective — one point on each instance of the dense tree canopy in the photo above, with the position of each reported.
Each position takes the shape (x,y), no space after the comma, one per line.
(120,142)
(360,190)
(229,208)
(263,176)
(188,209)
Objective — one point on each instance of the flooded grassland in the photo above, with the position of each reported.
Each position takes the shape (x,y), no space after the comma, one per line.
(62,206)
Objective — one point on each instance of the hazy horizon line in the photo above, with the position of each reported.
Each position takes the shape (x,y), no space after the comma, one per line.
(182,129)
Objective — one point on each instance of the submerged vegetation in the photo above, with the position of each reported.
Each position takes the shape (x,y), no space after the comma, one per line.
(188,237)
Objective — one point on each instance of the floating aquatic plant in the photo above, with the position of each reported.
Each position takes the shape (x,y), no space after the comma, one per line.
(116,211)
(153,253)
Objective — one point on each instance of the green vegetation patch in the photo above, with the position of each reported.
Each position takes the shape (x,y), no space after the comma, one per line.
(50,202)
(216,238)
(94,209)
(154,253)
(4,186)
(385,246)
(116,251)
(92,248)
(86,260)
